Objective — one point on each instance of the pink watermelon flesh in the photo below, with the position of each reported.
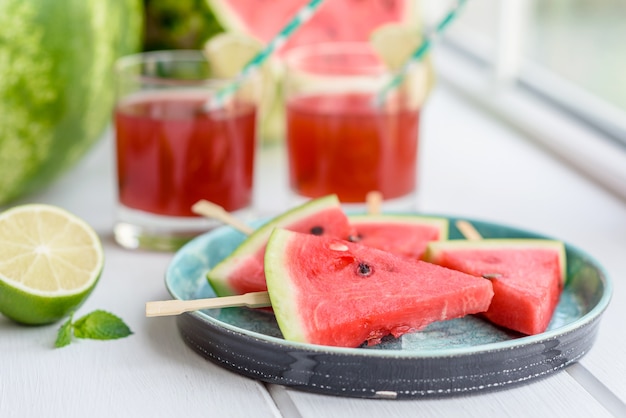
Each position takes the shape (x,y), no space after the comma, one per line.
(527,282)
(402,235)
(243,272)
(333,292)
(336,20)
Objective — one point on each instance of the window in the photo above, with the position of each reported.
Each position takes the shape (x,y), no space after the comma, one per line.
(542,66)
(582,41)
(569,52)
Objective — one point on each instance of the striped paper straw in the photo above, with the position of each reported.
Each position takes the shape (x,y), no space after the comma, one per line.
(304,14)
(418,54)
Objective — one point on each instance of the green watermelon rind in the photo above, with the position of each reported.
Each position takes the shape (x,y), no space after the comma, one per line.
(218,275)
(56,93)
(442,224)
(435,248)
(283,295)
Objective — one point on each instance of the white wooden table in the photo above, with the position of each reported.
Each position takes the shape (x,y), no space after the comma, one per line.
(471,165)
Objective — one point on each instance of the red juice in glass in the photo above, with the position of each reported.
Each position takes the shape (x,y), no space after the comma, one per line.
(171,153)
(341,143)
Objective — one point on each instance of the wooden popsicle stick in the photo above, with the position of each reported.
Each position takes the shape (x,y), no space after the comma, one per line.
(176,307)
(374,201)
(469,232)
(211,210)
(254,299)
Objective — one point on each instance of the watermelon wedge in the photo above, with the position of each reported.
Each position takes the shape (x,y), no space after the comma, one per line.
(334,292)
(405,235)
(336,20)
(528,276)
(242,271)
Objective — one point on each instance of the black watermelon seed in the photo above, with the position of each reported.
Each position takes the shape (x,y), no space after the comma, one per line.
(317,230)
(364,270)
(355,238)
(491,276)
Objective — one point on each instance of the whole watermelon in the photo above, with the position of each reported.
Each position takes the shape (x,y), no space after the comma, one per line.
(56,83)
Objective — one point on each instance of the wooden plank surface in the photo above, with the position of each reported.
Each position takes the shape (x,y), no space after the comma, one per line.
(553,395)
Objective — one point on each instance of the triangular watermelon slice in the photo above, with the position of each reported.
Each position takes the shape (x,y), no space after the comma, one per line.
(401,234)
(242,271)
(333,292)
(528,276)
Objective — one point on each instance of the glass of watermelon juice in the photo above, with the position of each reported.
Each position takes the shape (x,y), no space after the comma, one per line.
(339,140)
(172,150)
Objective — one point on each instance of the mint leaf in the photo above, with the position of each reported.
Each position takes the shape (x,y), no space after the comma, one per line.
(100,325)
(64,336)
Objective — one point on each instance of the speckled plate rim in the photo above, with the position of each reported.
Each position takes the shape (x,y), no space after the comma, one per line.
(593,314)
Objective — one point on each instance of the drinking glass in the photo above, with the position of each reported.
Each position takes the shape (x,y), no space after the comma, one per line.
(173,149)
(340,139)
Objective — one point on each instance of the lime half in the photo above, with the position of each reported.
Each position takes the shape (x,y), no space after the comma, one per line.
(50,261)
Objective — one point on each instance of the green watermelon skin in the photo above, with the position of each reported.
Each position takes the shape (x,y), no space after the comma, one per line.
(528,277)
(333,292)
(56,83)
(178,24)
(243,270)
(406,235)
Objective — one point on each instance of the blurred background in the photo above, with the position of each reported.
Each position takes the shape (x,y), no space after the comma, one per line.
(56,61)
(567,50)
(578,40)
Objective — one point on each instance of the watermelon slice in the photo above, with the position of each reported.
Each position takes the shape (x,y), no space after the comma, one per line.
(242,271)
(336,20)
(405,235)
(334,292)
(528,276)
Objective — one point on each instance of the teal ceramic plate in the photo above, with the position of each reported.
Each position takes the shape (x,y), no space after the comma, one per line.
(452,357)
